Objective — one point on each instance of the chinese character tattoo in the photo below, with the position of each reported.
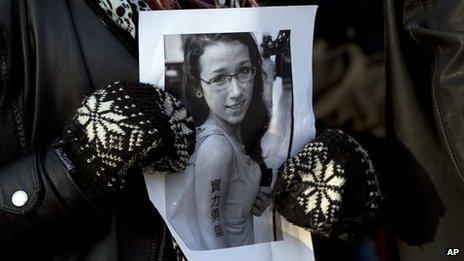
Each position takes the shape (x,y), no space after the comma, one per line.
(215,185)
(218,230)
(215,215)
(215,203)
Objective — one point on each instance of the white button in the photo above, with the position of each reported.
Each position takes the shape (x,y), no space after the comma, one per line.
(19,198)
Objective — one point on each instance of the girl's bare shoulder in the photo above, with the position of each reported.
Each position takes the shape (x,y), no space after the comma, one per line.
(215,150)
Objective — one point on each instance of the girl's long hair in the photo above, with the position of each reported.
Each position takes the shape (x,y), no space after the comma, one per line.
(174,4)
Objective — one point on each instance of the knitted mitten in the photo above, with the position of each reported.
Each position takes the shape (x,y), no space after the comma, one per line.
(125,123)
(329,187)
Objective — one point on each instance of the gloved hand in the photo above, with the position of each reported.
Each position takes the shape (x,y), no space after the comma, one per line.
(329,187)
(121,125)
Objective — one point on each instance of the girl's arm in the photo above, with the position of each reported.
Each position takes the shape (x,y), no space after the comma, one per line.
(212,171)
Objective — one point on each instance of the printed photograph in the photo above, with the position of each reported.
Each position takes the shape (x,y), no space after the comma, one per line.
(238,89)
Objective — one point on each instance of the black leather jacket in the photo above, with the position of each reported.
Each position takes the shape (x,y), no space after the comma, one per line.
(425,120)
(57,51)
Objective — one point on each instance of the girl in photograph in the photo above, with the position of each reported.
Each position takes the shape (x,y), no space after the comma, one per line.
(221,187)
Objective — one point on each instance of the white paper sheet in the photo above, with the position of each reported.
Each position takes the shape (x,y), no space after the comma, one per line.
(153,26)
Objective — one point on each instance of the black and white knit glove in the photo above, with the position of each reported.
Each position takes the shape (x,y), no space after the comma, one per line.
(123,124)
(329,187)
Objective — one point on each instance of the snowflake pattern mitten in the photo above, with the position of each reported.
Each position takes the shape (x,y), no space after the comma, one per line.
(123,124)
(329,187)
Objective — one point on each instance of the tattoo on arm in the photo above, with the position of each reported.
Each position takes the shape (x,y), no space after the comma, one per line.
(218,230)
(215,211)
(215,215)
(215,185)
(215,201)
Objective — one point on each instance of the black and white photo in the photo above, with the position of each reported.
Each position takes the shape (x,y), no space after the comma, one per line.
(221,79)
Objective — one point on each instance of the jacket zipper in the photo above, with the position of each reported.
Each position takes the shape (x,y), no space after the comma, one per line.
(162,245)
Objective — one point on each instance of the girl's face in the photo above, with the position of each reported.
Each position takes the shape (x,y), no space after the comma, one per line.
(230,101)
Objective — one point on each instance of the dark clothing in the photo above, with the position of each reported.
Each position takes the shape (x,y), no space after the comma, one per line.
(349,89)
(425,101)
(59,51)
